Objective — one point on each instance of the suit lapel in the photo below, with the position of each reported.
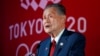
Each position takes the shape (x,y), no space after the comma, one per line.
(47,47)
(62,42)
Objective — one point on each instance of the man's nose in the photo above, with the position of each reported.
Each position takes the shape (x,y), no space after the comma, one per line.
(47,20)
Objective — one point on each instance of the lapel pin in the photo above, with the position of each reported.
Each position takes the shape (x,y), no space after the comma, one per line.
(61,44)
(46,48)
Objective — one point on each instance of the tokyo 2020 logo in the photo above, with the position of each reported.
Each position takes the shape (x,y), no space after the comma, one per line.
(42,4)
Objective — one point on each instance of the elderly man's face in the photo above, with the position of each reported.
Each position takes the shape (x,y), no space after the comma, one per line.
(52,21)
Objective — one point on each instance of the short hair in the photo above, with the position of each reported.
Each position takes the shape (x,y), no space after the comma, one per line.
(60,8)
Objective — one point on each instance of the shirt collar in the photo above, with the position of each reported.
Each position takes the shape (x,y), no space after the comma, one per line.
(57,37)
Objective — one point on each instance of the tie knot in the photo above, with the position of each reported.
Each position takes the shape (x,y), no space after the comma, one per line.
(54,42)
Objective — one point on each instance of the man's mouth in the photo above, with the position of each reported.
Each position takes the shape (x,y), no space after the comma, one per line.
(47,26)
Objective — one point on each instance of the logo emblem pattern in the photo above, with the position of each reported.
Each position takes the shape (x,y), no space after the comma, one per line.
(42,4)
(29,50)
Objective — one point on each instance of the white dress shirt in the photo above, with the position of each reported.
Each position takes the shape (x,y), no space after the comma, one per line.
(57,37)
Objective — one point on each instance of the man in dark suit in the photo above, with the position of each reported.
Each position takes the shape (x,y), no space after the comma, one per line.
(61,41)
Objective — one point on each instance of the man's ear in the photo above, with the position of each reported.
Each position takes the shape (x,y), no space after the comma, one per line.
(64,18)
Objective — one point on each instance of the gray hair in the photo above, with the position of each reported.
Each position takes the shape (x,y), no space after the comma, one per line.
(60,8)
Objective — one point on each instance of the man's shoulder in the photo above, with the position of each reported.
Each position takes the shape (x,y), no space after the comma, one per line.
(74,38)
(74,35)
(43,42)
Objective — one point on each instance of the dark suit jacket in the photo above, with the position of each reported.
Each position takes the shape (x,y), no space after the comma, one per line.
(73,44)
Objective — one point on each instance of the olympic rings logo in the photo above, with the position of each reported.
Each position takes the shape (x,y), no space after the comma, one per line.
(29,51)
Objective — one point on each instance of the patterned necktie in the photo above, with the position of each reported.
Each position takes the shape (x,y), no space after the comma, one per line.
(53,45)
